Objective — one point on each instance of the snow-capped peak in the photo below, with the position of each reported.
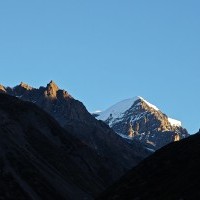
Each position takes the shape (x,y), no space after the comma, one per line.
(138,119)
(118,109)
(174,122)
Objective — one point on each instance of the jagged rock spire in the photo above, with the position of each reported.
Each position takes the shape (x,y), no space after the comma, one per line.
(52,89)
(52,83)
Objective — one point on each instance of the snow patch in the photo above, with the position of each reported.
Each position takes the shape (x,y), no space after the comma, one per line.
(118,109)
(96,112)
(174,122)
(124,136)
(149,104)
(152,150)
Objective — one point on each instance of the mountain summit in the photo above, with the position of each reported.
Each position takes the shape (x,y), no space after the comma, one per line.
(138,119)
(52,89)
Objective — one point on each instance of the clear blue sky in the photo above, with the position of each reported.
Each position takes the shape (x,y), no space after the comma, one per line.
(108,50)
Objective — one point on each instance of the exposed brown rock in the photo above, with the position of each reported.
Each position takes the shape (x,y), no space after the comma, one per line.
(176,137)
(131,131)
(51,89)
(25,86)
(2,89)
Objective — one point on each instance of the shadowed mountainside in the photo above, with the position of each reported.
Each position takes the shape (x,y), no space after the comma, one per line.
(41,160)
(170,173)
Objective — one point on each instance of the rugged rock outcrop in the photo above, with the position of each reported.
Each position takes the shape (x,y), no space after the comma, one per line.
(170,173)
(2,89)
(61,105)
(137,119)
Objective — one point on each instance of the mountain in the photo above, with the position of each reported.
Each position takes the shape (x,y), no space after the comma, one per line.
(72,115)
(137,119)
(41,160)
(170,173)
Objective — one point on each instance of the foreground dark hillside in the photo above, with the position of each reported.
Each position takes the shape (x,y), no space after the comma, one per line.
(173,172)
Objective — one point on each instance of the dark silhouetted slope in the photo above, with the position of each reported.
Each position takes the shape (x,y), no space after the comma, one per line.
(173,172)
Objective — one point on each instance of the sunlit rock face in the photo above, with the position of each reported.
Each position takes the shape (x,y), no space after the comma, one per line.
(2,89)
(51,90)
(177,137)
